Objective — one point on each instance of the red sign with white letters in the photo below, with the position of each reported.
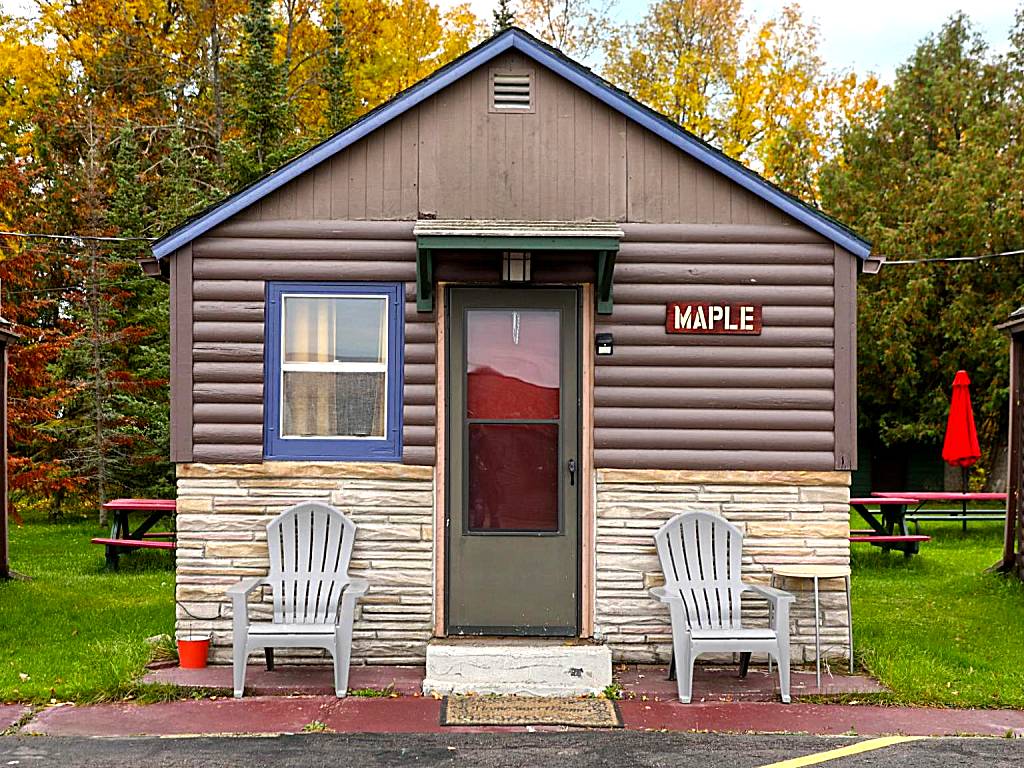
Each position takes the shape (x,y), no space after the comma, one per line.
(700,317)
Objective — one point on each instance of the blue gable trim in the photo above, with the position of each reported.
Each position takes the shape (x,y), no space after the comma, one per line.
(552,59)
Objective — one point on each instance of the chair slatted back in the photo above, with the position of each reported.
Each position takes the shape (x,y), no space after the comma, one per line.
(310,546)
(701,556)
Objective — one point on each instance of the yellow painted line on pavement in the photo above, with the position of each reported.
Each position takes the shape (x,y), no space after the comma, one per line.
(853,749)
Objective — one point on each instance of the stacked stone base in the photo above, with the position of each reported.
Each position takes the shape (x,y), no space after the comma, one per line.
(223,512)
(788,517)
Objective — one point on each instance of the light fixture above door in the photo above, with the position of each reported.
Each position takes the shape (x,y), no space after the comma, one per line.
(515,266)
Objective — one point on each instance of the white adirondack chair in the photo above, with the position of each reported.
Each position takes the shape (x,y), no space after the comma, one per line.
(314,599)
(700,555)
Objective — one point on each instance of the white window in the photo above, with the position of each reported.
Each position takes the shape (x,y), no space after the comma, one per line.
(334,366)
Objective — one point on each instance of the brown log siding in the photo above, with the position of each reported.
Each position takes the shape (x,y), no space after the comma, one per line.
(773,401)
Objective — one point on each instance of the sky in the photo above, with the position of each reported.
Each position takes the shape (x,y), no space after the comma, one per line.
(862,35)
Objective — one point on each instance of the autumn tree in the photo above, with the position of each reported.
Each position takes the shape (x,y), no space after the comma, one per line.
(576,27)
(760,92)
(121,120)
(935,173)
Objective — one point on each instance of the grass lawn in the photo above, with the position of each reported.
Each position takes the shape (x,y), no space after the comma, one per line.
(935,628)
(74,632)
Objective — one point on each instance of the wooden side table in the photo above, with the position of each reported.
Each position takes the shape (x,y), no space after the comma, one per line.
(816,572)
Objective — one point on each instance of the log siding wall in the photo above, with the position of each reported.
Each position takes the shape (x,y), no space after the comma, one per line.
(666,401)
(781,400)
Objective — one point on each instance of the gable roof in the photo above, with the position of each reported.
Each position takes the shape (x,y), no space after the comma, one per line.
(543,54)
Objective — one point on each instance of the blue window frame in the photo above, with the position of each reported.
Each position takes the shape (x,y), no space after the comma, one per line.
(333,371)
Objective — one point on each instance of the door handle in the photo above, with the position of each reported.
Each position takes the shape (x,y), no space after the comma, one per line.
(572,471)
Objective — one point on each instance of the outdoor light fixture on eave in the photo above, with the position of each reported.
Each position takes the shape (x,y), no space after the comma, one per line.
(515,266)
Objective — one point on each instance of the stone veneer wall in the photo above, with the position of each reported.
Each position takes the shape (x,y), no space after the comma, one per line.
(223,511)
(787,516)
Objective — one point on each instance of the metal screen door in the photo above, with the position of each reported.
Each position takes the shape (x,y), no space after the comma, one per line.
(513,464)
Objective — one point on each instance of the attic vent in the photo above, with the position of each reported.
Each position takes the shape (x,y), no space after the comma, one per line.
(512,92)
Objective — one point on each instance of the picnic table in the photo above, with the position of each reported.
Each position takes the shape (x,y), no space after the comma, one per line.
(888,524)
(123,539)
(965,514)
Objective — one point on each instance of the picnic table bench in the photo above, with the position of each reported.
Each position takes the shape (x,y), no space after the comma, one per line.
(963,514)
(123,539)
(888,525)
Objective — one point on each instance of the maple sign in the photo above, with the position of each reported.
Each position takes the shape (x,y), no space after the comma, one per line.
(696,317)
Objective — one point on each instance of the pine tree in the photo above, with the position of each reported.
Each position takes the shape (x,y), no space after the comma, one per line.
(188,183)
(262,110)
(337,79)
(139,338)
(503,17)
(935,172)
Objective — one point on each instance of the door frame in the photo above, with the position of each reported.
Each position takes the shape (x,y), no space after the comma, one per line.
(587,521)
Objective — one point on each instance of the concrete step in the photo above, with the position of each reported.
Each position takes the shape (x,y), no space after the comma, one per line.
(528,667)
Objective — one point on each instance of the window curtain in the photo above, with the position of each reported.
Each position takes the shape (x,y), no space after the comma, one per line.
(332,403)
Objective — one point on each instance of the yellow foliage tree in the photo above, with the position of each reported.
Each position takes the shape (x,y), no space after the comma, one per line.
(759,91)
(576,27)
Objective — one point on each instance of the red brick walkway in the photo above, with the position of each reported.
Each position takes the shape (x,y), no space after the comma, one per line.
(710,683)
(409,714)
(723,704)
(10,714)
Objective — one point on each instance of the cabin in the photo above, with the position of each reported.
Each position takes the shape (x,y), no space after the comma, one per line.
(510,322)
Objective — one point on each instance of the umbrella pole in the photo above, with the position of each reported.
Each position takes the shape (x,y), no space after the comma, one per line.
(965,471)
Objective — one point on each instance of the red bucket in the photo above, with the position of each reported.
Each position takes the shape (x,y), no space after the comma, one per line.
(192,651)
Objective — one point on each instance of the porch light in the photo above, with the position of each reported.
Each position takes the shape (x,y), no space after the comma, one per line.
(515,266)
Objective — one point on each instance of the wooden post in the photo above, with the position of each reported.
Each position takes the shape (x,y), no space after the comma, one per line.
(1015,497)
(5,564)
(1013,546)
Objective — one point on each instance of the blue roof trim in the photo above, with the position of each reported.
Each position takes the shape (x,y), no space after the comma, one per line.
(574,73)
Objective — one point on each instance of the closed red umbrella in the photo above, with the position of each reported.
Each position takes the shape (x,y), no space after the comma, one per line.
(961,445)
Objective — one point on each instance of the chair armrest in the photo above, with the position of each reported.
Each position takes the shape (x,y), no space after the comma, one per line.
(666,594)
(245,586)
(780,601)
(356,588)
(239,594)
(771,594)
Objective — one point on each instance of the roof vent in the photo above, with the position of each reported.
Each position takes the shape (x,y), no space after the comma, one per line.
(512,92)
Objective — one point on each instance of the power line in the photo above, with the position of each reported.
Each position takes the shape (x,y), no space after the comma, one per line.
(82,286)
(75,238)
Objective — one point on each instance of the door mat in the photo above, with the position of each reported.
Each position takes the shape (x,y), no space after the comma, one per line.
(530,710)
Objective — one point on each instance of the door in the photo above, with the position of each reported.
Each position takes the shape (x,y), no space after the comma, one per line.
(513,464)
